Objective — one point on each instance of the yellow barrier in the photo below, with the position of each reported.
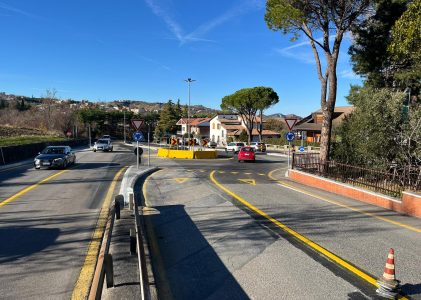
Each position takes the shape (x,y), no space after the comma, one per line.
(186,154)
(205,154)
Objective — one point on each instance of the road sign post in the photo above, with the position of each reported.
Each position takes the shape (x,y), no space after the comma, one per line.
(290,136)
(137,136)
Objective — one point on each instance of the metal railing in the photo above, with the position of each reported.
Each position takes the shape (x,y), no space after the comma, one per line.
(391,183)
(104,266)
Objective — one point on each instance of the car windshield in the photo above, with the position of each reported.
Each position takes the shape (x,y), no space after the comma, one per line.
(102,142)
(247,149)
(51,150)
(240,144)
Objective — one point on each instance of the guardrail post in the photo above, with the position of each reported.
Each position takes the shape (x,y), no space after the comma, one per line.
(109,270)
(118,202)
(132,241)
(131,201)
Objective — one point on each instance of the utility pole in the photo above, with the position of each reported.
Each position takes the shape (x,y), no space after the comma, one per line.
(124,125)
(189,81)
(89,132)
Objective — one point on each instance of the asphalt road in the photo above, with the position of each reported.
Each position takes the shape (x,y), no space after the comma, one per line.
(45,228)
(209,245)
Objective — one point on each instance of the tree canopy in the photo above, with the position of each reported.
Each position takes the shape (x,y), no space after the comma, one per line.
(371,39)
(246,102)
(330,18)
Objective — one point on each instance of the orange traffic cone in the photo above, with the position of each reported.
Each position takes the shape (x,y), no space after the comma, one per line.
(388,285)
(389,269)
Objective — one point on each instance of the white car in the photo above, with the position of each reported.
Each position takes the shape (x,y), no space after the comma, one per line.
(234,147)
(103,145)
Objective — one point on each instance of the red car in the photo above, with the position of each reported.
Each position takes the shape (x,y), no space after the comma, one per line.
(246,153)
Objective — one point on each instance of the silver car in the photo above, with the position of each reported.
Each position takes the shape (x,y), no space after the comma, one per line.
(103,145)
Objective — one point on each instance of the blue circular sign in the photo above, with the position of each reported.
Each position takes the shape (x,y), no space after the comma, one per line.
(137,136)
(290,136)
(301,149)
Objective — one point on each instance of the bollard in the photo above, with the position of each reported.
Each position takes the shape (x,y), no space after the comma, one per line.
(117,209)
(109,270)
(132,241)
(131,201)
(118,204)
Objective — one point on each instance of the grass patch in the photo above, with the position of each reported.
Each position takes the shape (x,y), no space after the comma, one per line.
(29,139)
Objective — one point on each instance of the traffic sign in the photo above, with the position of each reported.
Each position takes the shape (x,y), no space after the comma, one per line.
(137,123)
(137,136)
(301,149)
(290,136)
(290,123)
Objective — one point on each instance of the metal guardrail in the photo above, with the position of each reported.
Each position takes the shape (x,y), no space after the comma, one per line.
(104,267)
(143,272)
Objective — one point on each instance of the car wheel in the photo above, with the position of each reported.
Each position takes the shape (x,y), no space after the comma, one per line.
(239,161)
(94,150)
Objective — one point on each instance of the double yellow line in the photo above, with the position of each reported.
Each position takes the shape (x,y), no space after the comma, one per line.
(316,247)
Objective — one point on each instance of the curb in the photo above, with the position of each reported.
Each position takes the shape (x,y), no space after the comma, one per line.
(276,154)
(129,179)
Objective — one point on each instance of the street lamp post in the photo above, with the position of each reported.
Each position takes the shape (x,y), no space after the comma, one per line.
(189,81)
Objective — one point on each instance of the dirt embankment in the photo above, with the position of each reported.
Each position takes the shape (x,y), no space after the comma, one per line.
(8,131)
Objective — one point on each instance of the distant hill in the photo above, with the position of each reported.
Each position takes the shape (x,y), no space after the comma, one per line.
(140,106)
(282,116)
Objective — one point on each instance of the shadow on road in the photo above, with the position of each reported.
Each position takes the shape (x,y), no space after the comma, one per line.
(17,242)
(188,268)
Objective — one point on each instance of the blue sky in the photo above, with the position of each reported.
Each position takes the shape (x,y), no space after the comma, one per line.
(144,49)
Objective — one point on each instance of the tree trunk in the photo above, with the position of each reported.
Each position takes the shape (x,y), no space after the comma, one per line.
(260,125)
(328,108)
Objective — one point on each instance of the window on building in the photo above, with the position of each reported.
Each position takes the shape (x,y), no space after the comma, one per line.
(222,133)
(219,126)
(213,137)
(213,125)
(217,139)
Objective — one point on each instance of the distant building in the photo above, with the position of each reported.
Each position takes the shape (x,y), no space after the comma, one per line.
(227,126)
(312,124)
(199,127)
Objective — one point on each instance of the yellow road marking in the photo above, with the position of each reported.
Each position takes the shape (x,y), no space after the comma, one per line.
(249,181)
(162,274)
(30,188)
(181,180)
(299,236)
(221,172)
(234,172)
(342,205)
(145,185)
(83,284)
(261,174)
(247,173)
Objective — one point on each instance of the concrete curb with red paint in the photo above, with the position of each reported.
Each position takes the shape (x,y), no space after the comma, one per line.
(409,204)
